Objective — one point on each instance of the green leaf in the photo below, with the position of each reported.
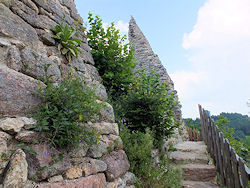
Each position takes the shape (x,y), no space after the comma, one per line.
(64,51)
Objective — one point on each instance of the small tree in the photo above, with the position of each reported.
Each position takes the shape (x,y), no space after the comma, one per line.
(113,59)
(228,133)
(148,104)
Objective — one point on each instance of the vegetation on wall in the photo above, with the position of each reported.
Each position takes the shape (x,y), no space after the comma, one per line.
(64,111)
(67,44)
(138,147)
(140,102)
(113,59)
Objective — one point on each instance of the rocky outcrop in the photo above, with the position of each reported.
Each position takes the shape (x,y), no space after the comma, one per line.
(26,46)
(146,59)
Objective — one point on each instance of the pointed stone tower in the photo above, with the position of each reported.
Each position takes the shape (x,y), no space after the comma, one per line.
(148,60)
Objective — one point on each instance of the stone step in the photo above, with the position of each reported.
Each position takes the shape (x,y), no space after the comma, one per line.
(197,184)
(199,172)
(189,157)
(194,147)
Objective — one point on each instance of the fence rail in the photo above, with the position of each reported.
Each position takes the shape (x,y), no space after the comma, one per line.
(232,170)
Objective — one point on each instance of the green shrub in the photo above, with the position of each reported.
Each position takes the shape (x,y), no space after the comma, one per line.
(148,104)
(113,59)
(228,133)
(67,45)
(64,110)
(138,147)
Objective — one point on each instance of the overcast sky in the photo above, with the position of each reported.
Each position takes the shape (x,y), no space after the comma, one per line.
(203,44)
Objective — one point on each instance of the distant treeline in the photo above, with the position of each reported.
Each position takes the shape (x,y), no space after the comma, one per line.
(241,124)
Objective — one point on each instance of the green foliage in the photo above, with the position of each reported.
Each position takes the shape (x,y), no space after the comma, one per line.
(149,105)
(26,148)
(138,147)
(228,133)
(67,45)
(113,59)
(194,124)
(64,111)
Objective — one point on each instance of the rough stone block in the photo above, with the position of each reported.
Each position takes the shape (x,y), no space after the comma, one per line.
(92,166)
(104,128)
(73,173)
(11,125)
(94,181)
(118,164)
(16,175)
(42,158)
(17,95)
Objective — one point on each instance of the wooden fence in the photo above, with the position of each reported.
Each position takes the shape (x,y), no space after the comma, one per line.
(193,134)
(232,170)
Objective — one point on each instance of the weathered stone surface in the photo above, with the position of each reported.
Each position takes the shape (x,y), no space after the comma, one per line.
(93,73)
(118,164)
(28,122)
(16,175)
(107,113)
(118,183)
(31,17)
(3,164)
(129,178)
(94,181)
(45,37)
(42,158)
(73,173)
(113,141)
(56,8)
(78,64)
(92,166)
(30,184)
(5,136)
(11,125)
(199,172)
(31,5)
(34,64)
(98,150)
(180,157)
(17,93)
(104,127)
(55,178)
(27,136)
(14,59)
(196,184)
(190,146)
(13,26)
(3,147)
(100,90)
(77,154)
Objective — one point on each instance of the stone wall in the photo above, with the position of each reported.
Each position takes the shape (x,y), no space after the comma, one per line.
(26,45)
(148,60)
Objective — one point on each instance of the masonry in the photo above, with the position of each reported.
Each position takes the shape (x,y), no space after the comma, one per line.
(25,45)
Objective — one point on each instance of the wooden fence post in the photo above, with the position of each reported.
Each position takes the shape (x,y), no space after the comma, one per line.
(232,170)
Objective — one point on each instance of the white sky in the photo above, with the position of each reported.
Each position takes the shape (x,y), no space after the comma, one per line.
(219,45)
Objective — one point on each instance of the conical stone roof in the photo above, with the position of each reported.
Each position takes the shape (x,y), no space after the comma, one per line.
(148,60)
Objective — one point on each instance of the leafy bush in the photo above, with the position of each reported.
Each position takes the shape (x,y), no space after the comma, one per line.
(148,104)
(228,133)
(138,147)
(113,59)
(67,45)
(64,110)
